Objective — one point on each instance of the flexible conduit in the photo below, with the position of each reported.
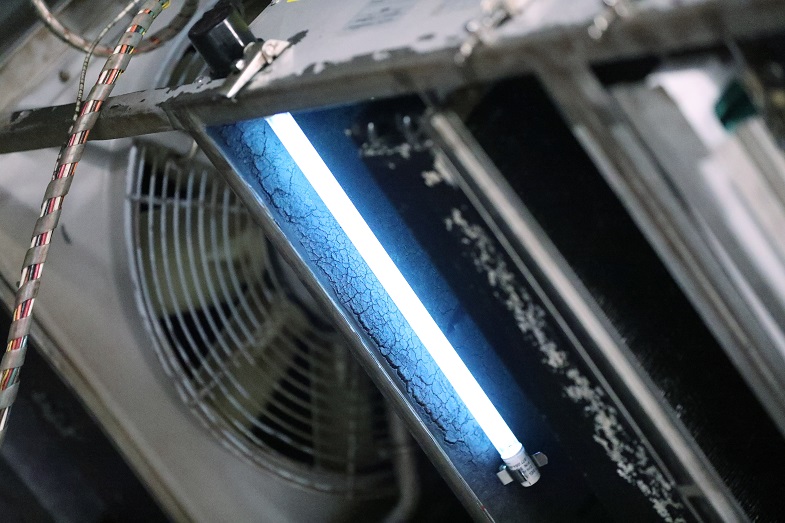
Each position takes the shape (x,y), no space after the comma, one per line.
(68,158)
(153,42)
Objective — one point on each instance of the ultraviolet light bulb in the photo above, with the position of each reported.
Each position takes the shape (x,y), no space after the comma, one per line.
(345,213)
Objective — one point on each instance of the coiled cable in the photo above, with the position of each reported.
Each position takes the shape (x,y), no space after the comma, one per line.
(67,160)
(153,42)
(91,51)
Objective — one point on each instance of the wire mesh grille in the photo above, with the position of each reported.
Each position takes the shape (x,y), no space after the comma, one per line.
(268,377)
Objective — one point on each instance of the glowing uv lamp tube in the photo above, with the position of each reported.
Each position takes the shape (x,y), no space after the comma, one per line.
(340,206)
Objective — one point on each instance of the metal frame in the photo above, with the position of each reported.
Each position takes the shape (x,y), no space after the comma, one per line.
(369,358)
(527,42)
(624,160)
(532,251)
(754,345)
(540,32)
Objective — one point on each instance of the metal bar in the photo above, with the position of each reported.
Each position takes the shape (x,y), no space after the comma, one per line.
(517,46)
(679,152)
(635,176)
(125,115)
(523,239)
(279,89)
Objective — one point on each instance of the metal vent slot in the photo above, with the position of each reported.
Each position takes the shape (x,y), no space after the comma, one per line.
(230,327)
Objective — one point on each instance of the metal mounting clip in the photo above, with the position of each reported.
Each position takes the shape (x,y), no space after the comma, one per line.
(481,29)
(525,472)
(256,57)
(614,10)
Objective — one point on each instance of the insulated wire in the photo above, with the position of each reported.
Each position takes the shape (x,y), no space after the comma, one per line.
(153,42)
(108,27)
(67,160)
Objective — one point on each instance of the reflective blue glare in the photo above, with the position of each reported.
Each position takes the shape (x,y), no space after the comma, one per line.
(403,296)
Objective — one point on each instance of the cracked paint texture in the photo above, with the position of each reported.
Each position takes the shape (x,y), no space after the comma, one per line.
(260,158)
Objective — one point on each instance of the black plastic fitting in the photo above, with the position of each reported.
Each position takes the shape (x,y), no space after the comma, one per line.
(221,36)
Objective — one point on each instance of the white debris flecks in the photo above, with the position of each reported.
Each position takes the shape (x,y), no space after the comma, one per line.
(372,149)
(439,174)
(632,460)
(431,178)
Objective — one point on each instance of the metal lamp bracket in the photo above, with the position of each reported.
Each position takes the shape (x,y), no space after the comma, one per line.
(256,57)
(508,475)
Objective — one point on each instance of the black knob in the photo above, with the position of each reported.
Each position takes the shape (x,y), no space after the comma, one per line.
(220,36)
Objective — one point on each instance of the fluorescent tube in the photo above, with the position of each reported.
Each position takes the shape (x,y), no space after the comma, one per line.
(338,203)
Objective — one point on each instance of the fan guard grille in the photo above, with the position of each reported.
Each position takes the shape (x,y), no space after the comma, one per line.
(271,380)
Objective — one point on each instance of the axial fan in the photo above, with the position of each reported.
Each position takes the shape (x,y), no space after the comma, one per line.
(238,333)
(248,352)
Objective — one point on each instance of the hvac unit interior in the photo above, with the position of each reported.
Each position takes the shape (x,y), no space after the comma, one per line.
(511,260)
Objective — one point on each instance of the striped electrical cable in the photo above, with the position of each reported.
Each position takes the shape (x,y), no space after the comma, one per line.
(134,4)
(154,41)
(70,154)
